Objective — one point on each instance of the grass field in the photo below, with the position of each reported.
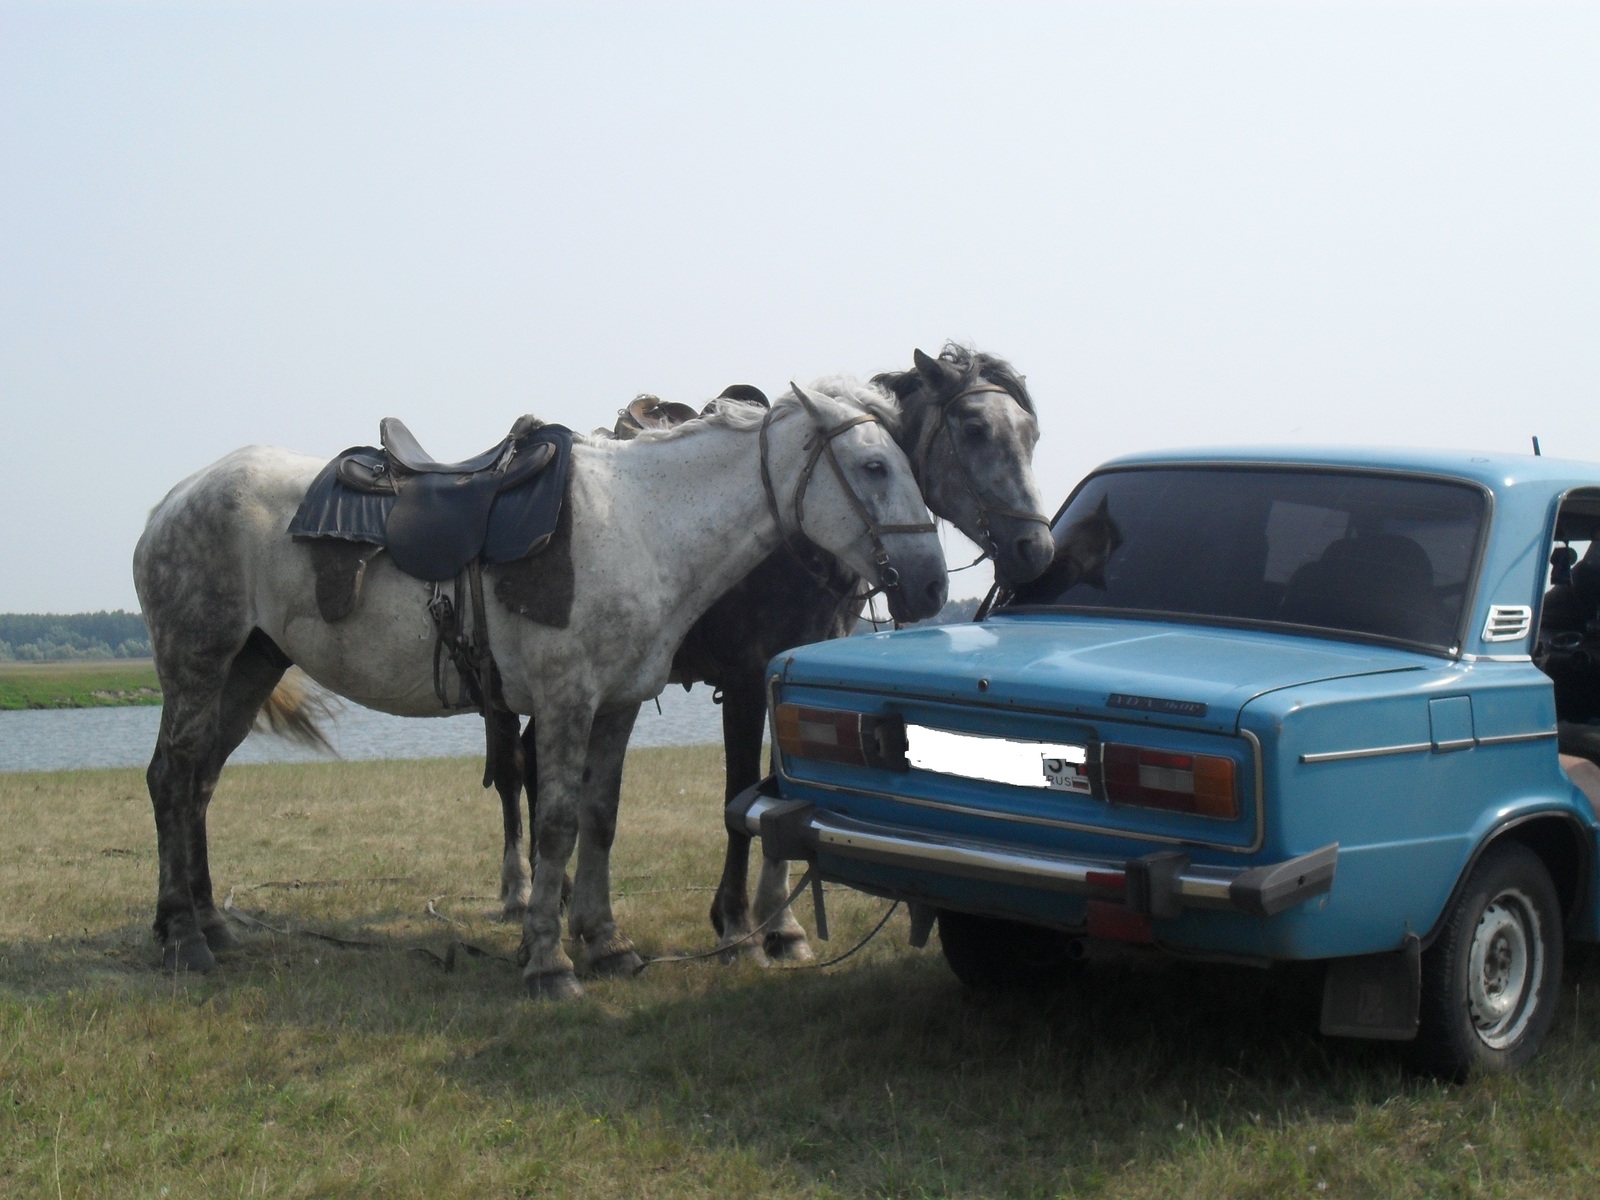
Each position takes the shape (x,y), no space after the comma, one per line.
(93,684)
(302,1068)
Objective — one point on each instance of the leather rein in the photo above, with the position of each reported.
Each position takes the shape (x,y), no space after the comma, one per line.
(986,508)
(888,577)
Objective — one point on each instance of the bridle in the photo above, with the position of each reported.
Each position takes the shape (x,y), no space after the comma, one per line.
(986,508)
(888,577)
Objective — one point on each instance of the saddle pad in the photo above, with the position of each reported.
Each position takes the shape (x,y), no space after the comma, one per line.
(520,520)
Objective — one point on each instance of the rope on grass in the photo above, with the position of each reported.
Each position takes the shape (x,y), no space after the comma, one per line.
(376,881)
(439,916)
(719,951)
(447,960)
(876,929)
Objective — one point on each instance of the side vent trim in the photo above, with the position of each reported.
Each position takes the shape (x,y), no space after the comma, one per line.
(1507,623)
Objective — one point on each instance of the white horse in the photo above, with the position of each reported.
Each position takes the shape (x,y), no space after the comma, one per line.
(655,530)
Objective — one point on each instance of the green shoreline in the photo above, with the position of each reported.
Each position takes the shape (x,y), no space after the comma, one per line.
(98,683)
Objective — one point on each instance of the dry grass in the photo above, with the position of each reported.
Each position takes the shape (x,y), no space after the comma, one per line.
(306,1069)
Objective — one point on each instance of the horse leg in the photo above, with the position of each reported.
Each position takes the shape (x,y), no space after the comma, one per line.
(503,730)
(530,775)
(606,950)
(785,938)
(562,737)
(209,703)
(744,714)
(252,675)
(174,786)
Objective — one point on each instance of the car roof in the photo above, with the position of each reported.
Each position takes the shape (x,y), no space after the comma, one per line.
(1498,472)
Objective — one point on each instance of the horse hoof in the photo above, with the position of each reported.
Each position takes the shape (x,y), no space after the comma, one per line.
(220,938)
(191,954)
(553,985)
(743,950)
(788,948)
(624,963)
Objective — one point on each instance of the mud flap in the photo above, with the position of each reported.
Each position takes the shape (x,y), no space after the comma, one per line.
(1374,995)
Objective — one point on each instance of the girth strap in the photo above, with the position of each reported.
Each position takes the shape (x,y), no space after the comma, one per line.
(469,653)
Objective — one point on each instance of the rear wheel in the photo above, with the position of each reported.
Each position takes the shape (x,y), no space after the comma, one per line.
(988,952)
(1491,979)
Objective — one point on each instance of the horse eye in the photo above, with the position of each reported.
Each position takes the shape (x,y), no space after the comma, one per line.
(974,431)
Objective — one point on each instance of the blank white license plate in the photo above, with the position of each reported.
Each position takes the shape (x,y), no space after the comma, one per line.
(1056,766)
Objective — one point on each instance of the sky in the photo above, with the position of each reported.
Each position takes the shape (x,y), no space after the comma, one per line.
(1185,223)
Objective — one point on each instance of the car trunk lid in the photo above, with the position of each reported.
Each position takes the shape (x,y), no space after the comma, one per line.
(1124,670)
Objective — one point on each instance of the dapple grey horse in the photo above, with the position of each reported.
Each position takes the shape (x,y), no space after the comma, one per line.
(968,426)
(656,530)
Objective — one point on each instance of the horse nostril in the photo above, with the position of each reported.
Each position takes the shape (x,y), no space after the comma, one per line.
(1035,552)
(936,592)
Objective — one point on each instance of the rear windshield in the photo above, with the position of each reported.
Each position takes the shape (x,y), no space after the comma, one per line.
(1375,555)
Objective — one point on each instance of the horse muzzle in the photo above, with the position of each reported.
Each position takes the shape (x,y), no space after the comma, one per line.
(1022,549)
(915,586)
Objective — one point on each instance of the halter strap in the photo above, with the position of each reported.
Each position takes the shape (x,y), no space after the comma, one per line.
(888,577)
(986,508)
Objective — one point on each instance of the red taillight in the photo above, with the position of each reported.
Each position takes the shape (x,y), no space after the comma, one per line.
(827,735)
(1188,783)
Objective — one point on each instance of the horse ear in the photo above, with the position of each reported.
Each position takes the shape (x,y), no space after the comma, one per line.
(813,402)
(937,374)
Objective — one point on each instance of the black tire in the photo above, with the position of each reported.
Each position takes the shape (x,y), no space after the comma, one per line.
(988,952)
(1491,979)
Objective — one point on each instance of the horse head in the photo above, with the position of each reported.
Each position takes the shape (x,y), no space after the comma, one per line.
(863,506)
(1086,546)
(970,430)
(1083,548)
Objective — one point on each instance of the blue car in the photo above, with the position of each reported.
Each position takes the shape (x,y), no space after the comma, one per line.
(1265,705)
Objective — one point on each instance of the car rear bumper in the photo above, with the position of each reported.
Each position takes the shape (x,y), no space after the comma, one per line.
(1157,885)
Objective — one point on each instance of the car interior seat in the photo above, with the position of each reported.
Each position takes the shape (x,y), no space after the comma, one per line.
(1378,583)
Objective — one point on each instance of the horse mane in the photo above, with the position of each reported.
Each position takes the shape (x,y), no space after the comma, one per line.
(975,367)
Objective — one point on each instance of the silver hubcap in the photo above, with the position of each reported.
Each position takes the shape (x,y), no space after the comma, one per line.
(1504,967)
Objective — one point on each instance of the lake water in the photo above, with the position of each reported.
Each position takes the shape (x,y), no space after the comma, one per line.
(70,738)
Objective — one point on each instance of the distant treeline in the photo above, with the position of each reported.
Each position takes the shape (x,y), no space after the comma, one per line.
(954,612)
(52,637)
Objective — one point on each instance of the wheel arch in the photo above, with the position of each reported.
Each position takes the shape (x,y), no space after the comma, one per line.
(1560,840)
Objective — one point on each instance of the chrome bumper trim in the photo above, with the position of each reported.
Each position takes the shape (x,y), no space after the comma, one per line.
(1160,884)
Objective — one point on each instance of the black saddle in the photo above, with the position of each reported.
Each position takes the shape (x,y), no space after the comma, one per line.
(434,518)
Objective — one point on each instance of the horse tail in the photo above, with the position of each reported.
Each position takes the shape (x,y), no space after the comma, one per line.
(295,711)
